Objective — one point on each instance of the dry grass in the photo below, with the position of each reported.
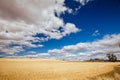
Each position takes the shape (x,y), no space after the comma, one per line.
(112,75)
(41,69)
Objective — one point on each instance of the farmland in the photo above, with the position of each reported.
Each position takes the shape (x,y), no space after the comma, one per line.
(45,69)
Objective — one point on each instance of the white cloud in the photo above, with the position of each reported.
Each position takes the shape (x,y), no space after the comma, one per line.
(69,27)
(99,48)
(86,50)
(44,55)
(31,52)
(96,33)
(83,2)
(20,20)
(38,55)
(11,50)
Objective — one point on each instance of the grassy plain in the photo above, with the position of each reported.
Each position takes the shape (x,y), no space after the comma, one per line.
(44,69)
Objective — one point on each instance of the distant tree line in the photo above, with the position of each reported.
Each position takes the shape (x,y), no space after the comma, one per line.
(112,57)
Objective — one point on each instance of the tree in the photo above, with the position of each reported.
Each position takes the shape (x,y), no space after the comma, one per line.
(112,57)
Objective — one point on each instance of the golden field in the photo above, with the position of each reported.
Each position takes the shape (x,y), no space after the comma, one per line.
(43,69)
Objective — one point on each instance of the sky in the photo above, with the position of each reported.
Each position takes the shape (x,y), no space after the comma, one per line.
(60,29)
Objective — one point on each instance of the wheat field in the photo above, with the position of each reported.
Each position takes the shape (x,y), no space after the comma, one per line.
(45,69)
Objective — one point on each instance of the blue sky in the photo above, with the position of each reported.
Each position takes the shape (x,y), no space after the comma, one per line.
(60,29)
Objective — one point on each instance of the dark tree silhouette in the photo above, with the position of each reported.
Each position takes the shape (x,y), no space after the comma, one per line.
(112,57)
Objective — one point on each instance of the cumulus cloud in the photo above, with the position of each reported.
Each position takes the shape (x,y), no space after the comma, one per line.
(82,51)
(11,50)
(21,20)
(96,49)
